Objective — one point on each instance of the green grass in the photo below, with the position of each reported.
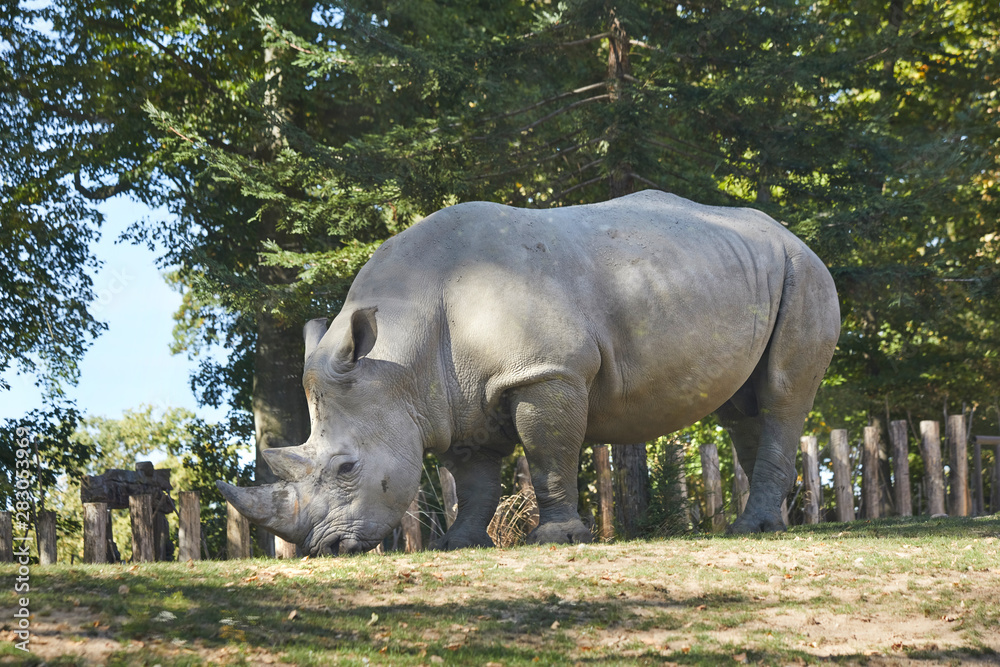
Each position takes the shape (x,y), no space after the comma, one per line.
(907,589)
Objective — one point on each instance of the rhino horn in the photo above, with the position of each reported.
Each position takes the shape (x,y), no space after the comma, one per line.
(287,463)
(272,506)
(313,332)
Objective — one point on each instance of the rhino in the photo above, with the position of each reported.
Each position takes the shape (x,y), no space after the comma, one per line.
(483,326)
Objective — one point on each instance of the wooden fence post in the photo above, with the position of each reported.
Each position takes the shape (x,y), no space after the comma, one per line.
(713,486)
(959,477)
(95,532)
(978,502)
(901,466)
(843,486)
(870,488)
(237,534)
(741,484)
(140,508)
(449,496)
(411,527)
(810,477)
(522,476)
(606,513)
(6,538)
(930,447)
(45,531)
(995,495)
(189,526)
(285,549)
(631,485)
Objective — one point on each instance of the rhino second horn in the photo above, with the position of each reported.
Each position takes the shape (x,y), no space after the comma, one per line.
(272,506)
(286,464)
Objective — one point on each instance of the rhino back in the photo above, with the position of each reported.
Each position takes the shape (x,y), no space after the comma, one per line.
(663,307)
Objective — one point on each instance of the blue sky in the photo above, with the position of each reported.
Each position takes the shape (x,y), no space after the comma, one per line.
(130,363)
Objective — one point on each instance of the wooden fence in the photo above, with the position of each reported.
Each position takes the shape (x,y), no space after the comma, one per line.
(145,493)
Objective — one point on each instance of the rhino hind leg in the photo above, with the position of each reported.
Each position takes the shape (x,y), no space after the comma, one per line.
(551,420)
(766,417)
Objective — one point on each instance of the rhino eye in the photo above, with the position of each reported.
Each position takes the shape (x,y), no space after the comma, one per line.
(345,468)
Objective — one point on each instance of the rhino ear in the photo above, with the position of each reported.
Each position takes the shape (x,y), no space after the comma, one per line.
(360,338)
(313,332)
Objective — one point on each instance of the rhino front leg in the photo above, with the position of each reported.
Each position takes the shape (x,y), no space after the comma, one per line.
(477,482)
(551,419)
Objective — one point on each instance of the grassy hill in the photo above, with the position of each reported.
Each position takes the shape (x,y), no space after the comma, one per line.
(896,592)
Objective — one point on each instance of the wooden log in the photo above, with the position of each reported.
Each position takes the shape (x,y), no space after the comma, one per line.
(930,448)
(45,531)
(237,534)
(95,532)
(870,487)
(6,538)
(141,514)
(978,504)
(412,537)
(630,486)
(605,494)
(901,466)
(713,486)
(163,546)
(843,486)
(810,477)
(959,476)
(189,526)
(115,487)
(449,496)
(741,484)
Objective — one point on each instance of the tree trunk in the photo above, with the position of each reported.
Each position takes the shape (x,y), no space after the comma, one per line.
(870,487)
(930,445)
(281,416)
(959,477)
(621,181)
(606,515)
(901,466)
(143,542)
(631,486)
(843,486)
(713,486)
(810,477)
(6,538)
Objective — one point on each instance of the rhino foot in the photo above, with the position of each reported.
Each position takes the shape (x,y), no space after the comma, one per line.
(461,540)
(752,523)
(561,532)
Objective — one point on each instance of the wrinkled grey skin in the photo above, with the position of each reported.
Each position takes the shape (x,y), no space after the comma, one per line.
(483,326)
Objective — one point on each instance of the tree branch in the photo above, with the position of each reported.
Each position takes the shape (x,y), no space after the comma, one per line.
(565,192)
(547,101)
(559,112)
(103,192)
(586,40)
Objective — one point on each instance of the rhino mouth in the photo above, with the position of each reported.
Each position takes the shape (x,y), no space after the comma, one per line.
(341,546)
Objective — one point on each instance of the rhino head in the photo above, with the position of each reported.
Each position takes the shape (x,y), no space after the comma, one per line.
(348,486)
